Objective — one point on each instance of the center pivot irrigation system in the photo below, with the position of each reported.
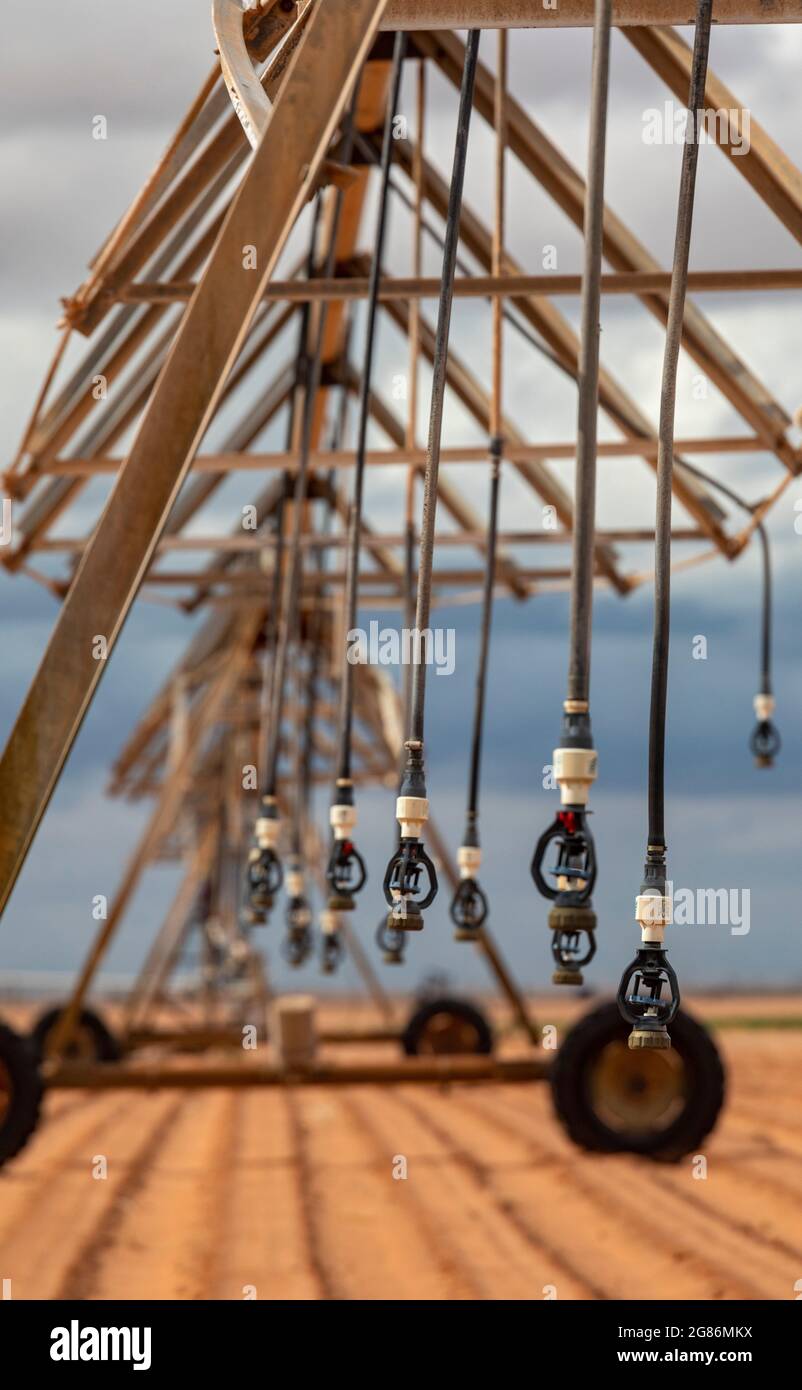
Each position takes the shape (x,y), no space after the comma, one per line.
(235,302)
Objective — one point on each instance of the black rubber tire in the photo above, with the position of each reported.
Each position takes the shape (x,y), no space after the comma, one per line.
(459,1009)
(704,1087)
(105,1045)
(19,1121)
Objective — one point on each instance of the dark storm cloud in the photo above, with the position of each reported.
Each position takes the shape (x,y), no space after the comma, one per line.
(63,64)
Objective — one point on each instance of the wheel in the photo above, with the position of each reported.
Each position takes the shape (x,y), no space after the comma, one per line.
(661,1104)
(92,1041)
(447,1027)
(20,1092)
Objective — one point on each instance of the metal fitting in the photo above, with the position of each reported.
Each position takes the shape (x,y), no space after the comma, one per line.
(575,771)
(469,860)
(653,913)
(295,883)
(267,832)
(342,819)
(412,813)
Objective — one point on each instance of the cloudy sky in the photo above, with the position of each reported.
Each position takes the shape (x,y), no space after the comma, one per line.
(730,826)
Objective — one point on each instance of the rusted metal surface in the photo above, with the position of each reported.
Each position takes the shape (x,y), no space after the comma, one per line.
(301,127)
(412,1071)
(572,14)
(170,275)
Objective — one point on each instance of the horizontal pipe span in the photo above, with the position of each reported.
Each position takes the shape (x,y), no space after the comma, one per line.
(404,288)
(576,14)
(124,1076)
(244,545)
(383,458)
(314,583)
(198,1039)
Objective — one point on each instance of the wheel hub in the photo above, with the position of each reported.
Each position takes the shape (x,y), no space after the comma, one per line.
(447,1034)
(637,1091)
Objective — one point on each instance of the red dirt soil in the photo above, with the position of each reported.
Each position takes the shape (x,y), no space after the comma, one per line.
(283,1194)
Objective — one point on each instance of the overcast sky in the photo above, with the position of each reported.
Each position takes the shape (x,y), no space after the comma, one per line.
(729,825)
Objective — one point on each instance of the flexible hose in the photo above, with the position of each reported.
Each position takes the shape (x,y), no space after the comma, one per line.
(766,601)
(271,636)
(585,487)
(355,528)
(665,450)
(462,265)
(410,601)
(484,649)
(439,367)
(292,592)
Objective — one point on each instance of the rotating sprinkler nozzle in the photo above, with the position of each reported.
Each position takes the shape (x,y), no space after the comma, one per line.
(331,952)
(648,995)
(391,940)
(572,919)
(345,872)
(404,892)
(765,741)
(469,908)
(298,941)
(265,874)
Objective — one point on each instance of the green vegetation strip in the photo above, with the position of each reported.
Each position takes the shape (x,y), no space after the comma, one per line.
(779,1021)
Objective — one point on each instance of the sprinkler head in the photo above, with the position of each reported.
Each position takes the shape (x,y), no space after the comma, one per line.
(565,975)
(573,943)
(265,877)
(575,869)
(391,940)
(346,875)
(299,916)
(648,997)
(468,910)
(297,946)
(251,918)
(403,891)
(765,743)
(331,941)
(330,954)
(298,942)
(649,1034)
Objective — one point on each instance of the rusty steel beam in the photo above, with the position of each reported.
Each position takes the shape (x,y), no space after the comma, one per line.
(575,14)
(470,392)
(162,819)
(467,536)
(412,1070)
(516,452)
(554,328)
(225,151)
(622,250)
(174,929)
(760,161)
(407,287)
(275,188)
